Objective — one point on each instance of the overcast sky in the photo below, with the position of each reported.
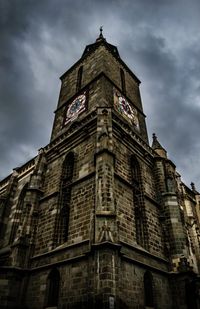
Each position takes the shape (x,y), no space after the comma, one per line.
(158,40)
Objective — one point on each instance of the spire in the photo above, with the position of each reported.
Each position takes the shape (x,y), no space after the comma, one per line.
(101,37)
(156,144)
(101,41)
(101,30)
(158,148)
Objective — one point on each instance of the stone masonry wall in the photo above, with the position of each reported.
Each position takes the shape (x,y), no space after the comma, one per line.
(101,60)
(131,288)
(125,213)
(82,197)
(75,286)
(156,245)
(10,288)
(15,215)
(94,91)
(125,201)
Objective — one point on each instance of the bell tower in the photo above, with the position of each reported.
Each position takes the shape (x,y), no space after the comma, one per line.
(99,78)
(99,219)
(109,205)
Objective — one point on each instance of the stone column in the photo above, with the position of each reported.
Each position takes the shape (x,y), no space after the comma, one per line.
(23,246)
(105,215)
(171,219)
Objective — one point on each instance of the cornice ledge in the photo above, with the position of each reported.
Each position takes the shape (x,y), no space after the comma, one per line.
(143,251)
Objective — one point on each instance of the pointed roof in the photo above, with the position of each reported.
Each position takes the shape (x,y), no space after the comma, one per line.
(156,144)
(101,40)
(158,147)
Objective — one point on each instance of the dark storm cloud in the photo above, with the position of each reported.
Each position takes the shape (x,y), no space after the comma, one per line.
(159,40)
(36,40)
(172,89)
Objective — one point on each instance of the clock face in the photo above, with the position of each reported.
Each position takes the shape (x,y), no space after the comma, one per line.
(124,107)
(75,108)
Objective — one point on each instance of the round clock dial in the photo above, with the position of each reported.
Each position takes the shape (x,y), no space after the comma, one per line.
(125,107)
(128,111)
(77,106)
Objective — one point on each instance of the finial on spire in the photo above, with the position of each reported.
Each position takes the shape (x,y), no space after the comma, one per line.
(156,144)
(101,37)
(154,137)
(101,31)
(158,148)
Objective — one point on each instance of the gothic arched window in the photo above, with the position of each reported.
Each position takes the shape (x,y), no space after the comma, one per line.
(79,78)
(65,196)
(148,290)
(123,83)
(138,200)
(18,213)
(52,290)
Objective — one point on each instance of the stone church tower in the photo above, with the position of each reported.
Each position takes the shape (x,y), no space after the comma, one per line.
(99,219)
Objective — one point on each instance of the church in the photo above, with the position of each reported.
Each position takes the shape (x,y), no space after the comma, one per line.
(99,218)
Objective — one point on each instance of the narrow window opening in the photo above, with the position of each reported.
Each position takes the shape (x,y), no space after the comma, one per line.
(65,196)
(148,290)
(53,284)
(79,78)
(138,201)
(123,83)
(139,224)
